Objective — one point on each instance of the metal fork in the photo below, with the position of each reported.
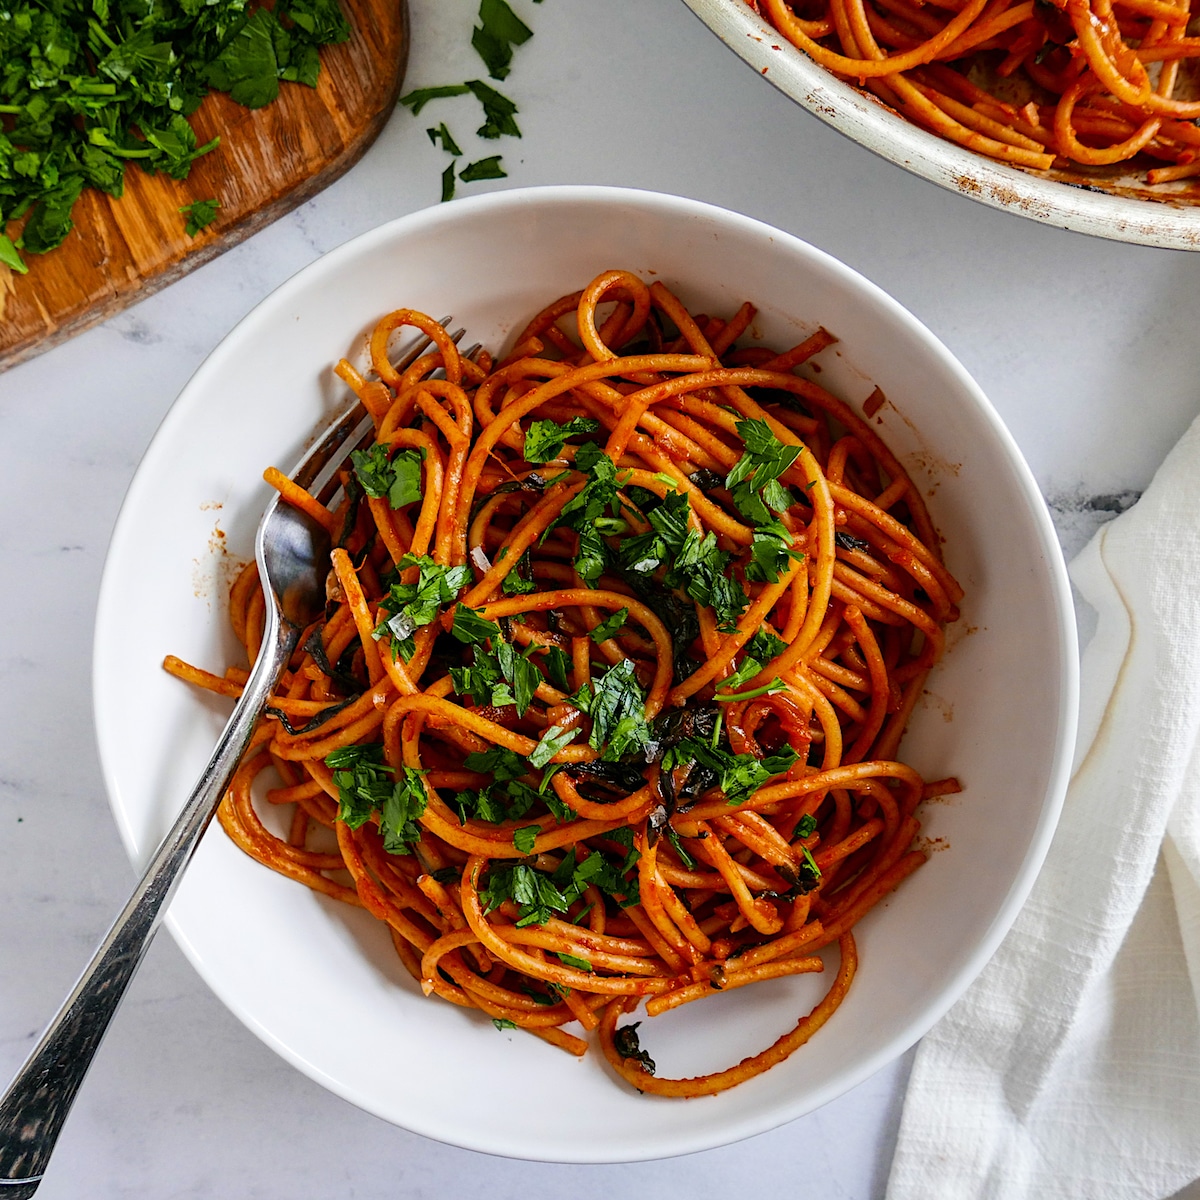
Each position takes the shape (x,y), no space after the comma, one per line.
(292,552)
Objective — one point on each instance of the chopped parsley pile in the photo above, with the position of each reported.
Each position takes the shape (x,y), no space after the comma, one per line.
(86,88)
(671,567)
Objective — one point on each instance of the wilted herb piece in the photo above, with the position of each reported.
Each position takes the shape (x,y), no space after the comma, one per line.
(500,29)
(739,776)
(199,214)
(627,1045)
(503,1023)
(847,541)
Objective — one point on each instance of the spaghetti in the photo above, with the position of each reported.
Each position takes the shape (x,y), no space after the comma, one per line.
(622,637)
(1033,83)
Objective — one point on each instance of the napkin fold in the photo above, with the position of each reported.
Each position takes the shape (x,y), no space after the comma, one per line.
(1070,1070)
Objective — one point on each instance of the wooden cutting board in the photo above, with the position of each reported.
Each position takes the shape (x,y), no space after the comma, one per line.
(269,161)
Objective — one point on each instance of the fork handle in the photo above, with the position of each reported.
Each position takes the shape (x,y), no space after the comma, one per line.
(37,1102)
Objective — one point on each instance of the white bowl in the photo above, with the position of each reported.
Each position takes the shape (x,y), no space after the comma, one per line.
(320,982)
(1106,202)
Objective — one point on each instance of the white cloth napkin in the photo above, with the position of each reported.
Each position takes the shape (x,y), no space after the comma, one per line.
(1070,1070)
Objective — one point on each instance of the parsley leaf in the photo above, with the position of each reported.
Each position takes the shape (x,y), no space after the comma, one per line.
(617,705)
(398,478)
(408,606)
(524,838)
(471,626)
(199,214)
(764,459)
(554,739)
(558,666)
(367,785)
(701,569)
(417,99)
(499,31)
(498,111)
(610,627)
(441,134)
(483,168)
(545,439)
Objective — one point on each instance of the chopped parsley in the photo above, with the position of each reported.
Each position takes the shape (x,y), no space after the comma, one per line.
(368,785)
(484,168)
(739,776)
(88,87)
(617,705)
(396,479)
(199,214)
(545,439)
(539,896)
(611,626)
(408,606)
(551,742)
(754,479)
(500,29)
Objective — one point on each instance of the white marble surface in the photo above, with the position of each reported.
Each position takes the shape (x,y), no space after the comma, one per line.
(1086,347)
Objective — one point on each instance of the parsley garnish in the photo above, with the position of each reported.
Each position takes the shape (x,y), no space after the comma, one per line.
(550,743)
(441,134)
(368,785)
(626,1044)
(617,705)
(739,775)
(484,168)
(545,439)
(397,478)
(408,606)
(764,459)
(610,627)
(471,626)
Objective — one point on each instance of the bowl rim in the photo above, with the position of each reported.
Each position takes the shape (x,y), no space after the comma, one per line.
(446,216)
(870,123)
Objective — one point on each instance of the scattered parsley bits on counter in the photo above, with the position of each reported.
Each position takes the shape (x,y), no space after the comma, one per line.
(498,32)
(86,88)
